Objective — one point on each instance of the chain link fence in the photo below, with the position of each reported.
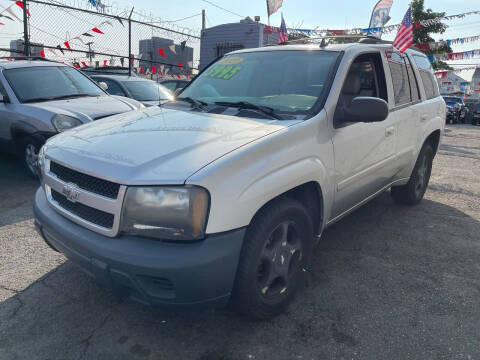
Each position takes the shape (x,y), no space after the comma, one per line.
(91,39)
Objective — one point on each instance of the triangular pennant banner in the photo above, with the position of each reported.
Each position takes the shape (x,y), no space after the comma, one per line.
(87,34)
(161,52)
(97,30)
(67,45)
(172,49)
(10,11)
(20,4)
(60,48)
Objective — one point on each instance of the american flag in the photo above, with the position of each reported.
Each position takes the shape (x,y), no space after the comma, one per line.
(282,35)
(404,36)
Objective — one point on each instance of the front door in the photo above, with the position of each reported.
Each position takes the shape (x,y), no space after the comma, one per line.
(364,152)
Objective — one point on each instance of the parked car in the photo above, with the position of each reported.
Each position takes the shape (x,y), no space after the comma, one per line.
(42,98)
(219,196)
(108,70)
(148,92)
(173,84)
(457,108)
(474,111)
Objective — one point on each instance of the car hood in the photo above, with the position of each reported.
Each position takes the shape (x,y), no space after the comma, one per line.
(85,108)
(155,145)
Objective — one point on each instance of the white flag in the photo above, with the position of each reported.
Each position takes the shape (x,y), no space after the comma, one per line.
(172,47)
(273,6)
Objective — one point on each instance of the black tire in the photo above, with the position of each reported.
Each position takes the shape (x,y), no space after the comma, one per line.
(264,256)
(28,150)
(412,193)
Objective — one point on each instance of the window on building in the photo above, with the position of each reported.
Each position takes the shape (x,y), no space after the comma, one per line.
(225,48)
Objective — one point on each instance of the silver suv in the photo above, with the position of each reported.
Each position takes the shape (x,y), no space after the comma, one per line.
(39,99)
(221,195)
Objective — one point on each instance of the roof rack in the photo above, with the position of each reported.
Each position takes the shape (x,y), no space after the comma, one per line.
(364,39)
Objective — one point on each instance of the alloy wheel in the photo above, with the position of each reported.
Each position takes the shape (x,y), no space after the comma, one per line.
(31,158)
(280,260)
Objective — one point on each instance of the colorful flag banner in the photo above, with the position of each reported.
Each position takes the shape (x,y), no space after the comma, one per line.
(380,16)
(273,6)
(282,35)
(404,37)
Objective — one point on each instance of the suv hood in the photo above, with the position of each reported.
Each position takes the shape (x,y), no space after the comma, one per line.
(156,145)
(90,107)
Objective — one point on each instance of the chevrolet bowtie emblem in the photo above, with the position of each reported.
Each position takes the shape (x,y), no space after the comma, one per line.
(71,192)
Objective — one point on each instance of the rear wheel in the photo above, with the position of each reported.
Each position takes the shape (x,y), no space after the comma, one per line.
(412,193)
(277,247)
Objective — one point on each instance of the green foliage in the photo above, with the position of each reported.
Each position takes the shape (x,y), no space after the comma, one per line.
(422,34)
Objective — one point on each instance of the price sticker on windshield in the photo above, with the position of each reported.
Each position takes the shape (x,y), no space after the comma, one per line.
(224,72)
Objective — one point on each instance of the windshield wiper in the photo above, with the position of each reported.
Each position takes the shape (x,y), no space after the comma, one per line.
(197,104)
(250,106)
(71,96)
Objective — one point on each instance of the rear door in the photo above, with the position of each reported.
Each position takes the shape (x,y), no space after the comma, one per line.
(364,152)
(407,108)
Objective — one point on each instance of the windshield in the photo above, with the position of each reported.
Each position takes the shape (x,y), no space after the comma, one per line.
(147,91)
(44,83)
(286,81)
(449,99)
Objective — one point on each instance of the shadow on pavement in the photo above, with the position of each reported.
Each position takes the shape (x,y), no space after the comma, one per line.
(15,179)
(387,281)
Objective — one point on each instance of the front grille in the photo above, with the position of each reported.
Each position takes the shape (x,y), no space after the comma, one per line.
(84,181)
(85,212)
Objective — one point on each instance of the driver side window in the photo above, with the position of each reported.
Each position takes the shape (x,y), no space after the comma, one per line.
(365,78)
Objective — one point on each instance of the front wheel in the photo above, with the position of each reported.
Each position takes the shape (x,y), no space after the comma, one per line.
(277,247)
(412,193)
(28,151)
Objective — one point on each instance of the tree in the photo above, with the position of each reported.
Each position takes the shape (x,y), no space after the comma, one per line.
(421,34)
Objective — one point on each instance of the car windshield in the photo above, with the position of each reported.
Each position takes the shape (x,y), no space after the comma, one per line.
(147,91)
(43,83)
(450,99)
(285,81)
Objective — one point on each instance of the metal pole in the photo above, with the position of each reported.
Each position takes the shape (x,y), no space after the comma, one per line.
(203,19)
(130,43)
(26,42)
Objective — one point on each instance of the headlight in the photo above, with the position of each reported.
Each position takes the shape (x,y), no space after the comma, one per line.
(166,212)
(64,122)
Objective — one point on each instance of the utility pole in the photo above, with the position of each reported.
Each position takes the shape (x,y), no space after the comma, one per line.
(26,42)
(130,60)
(203,19)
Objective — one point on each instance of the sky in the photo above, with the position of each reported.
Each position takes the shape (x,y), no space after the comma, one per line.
(338,14)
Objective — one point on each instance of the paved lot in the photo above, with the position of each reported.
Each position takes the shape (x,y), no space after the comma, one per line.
(387,282)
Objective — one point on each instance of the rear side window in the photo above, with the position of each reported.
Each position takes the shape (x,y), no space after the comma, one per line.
(428,77)
(401,86)
(415,93)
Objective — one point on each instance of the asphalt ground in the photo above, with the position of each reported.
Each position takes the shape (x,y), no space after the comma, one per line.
(387,282)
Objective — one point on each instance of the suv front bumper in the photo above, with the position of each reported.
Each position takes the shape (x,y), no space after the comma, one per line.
(153,272)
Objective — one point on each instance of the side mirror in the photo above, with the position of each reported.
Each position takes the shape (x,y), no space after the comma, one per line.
(177,92)
(103,85)
(366,109)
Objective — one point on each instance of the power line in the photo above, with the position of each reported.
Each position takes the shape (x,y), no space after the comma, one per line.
(185,18)
(221,8)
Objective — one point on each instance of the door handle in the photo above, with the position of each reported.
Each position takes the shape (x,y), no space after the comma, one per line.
(389,131)
(424,118)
